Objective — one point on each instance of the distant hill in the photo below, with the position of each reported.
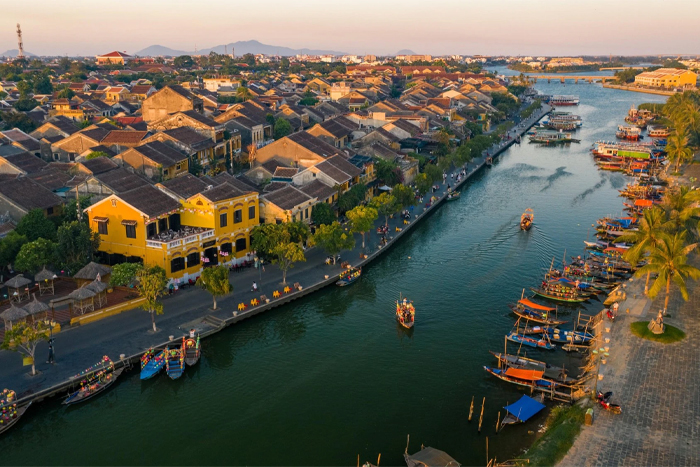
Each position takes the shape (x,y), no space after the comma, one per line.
(239,48)
(159,50)
(406,52)
(13,53)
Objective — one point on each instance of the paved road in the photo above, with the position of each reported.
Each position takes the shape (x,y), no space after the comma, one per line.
(658,387)
(129,333)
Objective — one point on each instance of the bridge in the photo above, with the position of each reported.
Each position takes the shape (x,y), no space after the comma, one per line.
(575,79)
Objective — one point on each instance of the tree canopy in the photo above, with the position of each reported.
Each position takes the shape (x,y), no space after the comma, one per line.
(323,214)
(35,225)
(215,281)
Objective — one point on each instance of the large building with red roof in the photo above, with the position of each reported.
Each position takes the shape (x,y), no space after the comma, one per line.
(113,58)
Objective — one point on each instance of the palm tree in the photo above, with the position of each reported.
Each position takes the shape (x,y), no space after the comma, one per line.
(677,149)
(668,260)
(243,93)
(651,226)
(681,205)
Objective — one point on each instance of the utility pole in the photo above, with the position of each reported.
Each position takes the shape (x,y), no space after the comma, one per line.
(20,45)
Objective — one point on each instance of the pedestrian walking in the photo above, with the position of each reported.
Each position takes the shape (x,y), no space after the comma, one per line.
(51,352)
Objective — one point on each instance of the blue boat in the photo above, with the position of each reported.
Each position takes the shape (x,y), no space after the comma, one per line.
(152,365)
(541,343)
(348,276)
(521,411)
(568,337)
(175,361)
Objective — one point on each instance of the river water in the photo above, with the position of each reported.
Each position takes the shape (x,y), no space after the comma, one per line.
(330,376)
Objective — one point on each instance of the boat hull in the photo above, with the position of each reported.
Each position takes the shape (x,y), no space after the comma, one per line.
(78,396)
(20,411)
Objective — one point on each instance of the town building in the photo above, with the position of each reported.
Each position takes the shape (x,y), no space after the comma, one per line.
(113,58)
(670,78)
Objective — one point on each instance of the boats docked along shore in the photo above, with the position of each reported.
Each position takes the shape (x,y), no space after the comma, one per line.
(348,276)
(550,137)
(10,411)
(94,381)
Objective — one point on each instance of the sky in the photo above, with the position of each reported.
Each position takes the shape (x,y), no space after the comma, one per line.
(381,27)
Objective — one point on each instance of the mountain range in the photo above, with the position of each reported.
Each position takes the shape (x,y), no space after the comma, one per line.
(239,48)
(13,53)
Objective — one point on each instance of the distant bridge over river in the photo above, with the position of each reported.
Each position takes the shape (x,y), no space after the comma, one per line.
(564,78)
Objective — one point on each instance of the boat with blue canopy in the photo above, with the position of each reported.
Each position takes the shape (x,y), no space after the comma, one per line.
(521,411)
(541,343)
(348,276)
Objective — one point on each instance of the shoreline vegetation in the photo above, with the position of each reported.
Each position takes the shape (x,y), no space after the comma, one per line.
(563,425)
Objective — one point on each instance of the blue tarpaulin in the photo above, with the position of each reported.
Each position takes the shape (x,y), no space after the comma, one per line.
(525,408)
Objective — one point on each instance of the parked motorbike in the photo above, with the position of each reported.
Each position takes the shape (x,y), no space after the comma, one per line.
(611,314)
(604,401)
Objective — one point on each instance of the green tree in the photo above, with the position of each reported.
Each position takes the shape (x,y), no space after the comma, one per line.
(463,154)
(35,225)
(388,172)
(25,104)
(66,93)
(362,219)
(183,61)
(681,206)
(351,198)
(151,286)
(386,205)
(282,128)
(285,255)
(18,120)
(243,94)
(423,183)
(25,337)
(297,231)
(404,195)
(265,237)
(24,89)
(35,255)
(284,64)
(433,173)
(43,85)
(124,274)
(308,98)
(215,281)
(96,154)
(76,244)
(677,149)
(74,207)
(333,239)
(248,59)
(645,238)
(668,259)
(323,214)
(10,246)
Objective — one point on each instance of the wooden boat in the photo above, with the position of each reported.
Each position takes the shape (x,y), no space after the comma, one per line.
(452,195)
(10,411)
(659,132)
(153,364)
(561,336)
(405,313)
(541,343)
(552,372)
(428,456)
(96,381)
(568,297)
(489,161)
(175,361)
(348,276)
(527,219)
(193,350)
(522,377)
(529,310)
(521,411)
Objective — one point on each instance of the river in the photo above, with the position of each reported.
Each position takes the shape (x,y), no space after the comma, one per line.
(330,376)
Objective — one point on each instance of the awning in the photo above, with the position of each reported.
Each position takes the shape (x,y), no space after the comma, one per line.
(527,375)
(385,188)
(535,306)
(525,408)
(100,219)
(127,222)
(645,203)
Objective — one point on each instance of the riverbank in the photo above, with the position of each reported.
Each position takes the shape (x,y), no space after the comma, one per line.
(638,89)
(125,335)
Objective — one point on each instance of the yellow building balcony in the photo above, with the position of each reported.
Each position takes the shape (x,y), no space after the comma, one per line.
(182,238)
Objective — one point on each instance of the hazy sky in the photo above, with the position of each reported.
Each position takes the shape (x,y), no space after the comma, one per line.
(517,27)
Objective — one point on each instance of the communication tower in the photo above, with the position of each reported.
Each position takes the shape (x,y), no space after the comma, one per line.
(20,46)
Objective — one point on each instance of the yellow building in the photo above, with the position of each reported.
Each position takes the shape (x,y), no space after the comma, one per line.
(666,78)
(181,226)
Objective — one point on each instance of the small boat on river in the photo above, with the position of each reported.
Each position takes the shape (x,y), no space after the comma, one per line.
(10,411)
(348,276)
(560,294)
(659,132)
(552,137)
(521,411)
(96,380)
(452,195)
(193,350)
(529,310)
(527,219)
(175,361)
(555,373)
(541,343)
(152,363)
(405,313)
(561,336)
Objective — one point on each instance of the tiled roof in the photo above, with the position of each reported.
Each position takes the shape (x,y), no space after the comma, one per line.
(185,186)
(51,178)
(28,163)
(124,137)
(26,193)
(287,198)
(188,136)
(221,192)
(239,183)
(319,190)
(99,165)
(314,144)
(97,134)
(150,200)
(121,180)
(115,54)
(285,172)
(161,153)
(204,120)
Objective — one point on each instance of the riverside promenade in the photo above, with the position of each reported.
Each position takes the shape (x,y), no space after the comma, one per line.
(129,333)
(657,385)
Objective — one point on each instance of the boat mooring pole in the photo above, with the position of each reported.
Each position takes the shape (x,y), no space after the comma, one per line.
(487,451)
(358,460)
(378,458)
(471,411)
(481,417)
(498,420)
